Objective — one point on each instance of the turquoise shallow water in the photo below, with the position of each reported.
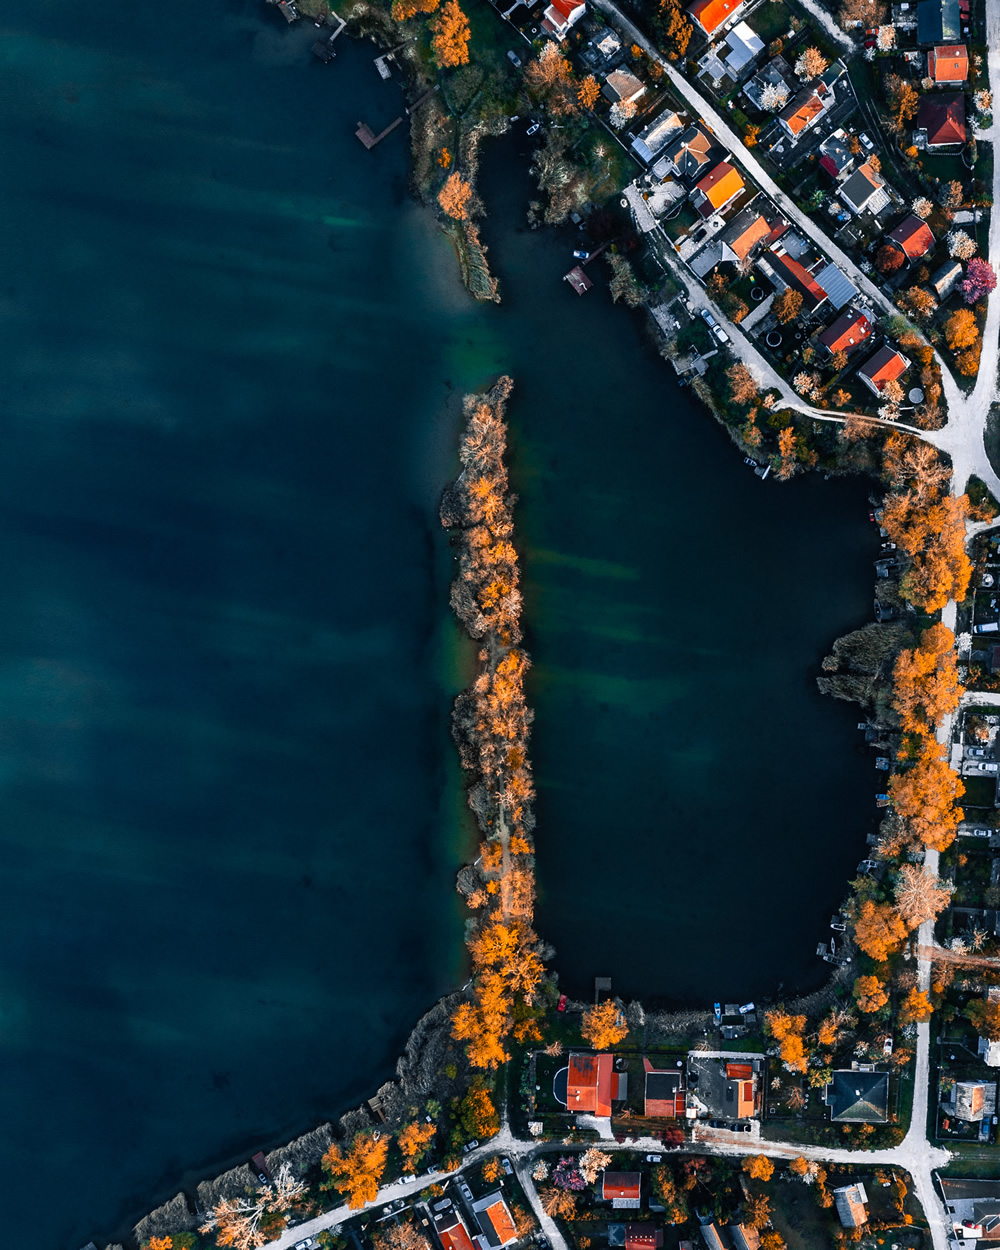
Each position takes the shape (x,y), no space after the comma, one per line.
(229,807)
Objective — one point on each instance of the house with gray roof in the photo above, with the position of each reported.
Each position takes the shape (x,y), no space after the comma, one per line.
(858,1097)
(852,1203)
(938,21)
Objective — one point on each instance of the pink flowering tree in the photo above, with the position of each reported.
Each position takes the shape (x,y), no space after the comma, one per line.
(566,1174)
(980,280)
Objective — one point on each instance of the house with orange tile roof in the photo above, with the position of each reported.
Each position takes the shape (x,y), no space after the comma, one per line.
(592,1083)
(805,108)
(664,1094)
(451,1230)
(912,236)
(887,365)
(639,1237)
(718,188)
(864,191)
(784,270)
(622,1189)
(849,331)
(709,15)
(561,15)
(942,119)
(948,64)
(495,1220)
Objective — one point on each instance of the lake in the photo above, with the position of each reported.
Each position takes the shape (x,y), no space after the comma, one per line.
(231,812)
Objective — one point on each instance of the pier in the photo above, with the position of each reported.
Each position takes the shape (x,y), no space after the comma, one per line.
(368,136)
(323,47)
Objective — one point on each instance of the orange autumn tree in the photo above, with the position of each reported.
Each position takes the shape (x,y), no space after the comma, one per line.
(870,994)
(402,10)
(787,1030)
(159,1243)
(925,682)
(588,92)
(454,197)
(915,1008)
(926,797)
(413,1141)
(878,929)
(604,1025)
(356,1173)
(451,34)
(758,1167)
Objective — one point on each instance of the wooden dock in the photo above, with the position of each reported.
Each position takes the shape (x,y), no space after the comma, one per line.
(323,47)
(368,136)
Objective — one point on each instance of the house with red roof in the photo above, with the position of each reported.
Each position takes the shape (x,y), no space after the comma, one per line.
(948,64)
(887,365)
(561,15)
(622,1189)
(592,1083)
(451,1230)
(849,331)
(643,1237)
(495,1221)
(805,108)
(942,119)
(783,270)
(740,1091)
(718,188)
(913,237)
(709,15)
(665,1094)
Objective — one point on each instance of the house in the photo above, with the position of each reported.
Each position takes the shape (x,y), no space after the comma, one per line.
(722,1089)
(852,1096)
(718,188)
(969,1098)
(938,21)
(622,87)
(948,64)
(849,331)
(739,1090)
(839,289)
(990,1051)
(709,15)
(657,134)
(642,1237)
(776,73)
(835,156)
(592,1083)
(805,107)
(622,1189)
(942,119)
(784,270)
(913,237)
(851,1203)
(744,1237)
(561,15)
(744,45)
(495,1220)
(664,1095)
(943,280)
(975,1202)
(710,1236)
(688,154)
(451,1230)
(747,230)
(864,191)
(609,45)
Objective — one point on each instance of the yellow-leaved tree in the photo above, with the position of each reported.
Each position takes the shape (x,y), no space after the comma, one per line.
(604,1025)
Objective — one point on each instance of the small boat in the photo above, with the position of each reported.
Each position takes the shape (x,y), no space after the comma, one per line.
(718,1012)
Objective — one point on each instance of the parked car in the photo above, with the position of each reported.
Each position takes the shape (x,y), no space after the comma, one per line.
(866,143)
(654,1158)
(887,1046)
(988,768)
(742,1127)
(978,752)
(561,1006)
(988,627)
(514,59)
(410,1176)
(981,833)
(707,317)
(471,1145)
(720,334)
(305,1245)
(507,1166)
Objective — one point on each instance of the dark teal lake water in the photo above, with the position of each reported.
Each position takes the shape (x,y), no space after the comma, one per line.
(229,805)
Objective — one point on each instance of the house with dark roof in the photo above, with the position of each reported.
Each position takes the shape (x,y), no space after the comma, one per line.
(887,365)
(451,1230)
(664,1094)
(745,232)
(852,1096)
(495,1221)
(690,153)
(836,157)
(561,15)
(776,73)
(948,64)
(621,87)
(710,1236)
(805,108)
(622,1189)
(709,15)
(592,1083)
(864,191)
(941,118)
(912,236)
(851,1203)
(648,143)
(719,187)
(943,280)
(847,333)
(938,21)
(839,289)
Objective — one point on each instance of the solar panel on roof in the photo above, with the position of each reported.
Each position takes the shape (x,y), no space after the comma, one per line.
(839,289)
